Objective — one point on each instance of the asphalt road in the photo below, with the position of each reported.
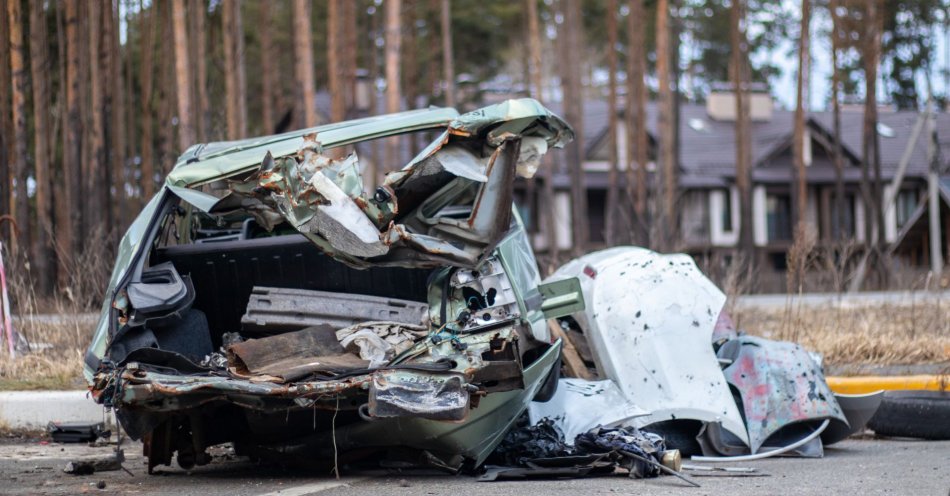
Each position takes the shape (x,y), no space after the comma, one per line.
(857,467)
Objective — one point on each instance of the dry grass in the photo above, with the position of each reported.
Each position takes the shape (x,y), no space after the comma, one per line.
(55,360)
(904,333)
(51,350)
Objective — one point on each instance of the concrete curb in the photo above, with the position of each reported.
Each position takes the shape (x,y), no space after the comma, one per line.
(870,384)
(33,410)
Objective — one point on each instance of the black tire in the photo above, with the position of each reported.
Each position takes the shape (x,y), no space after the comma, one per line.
(550,383)
(918,414)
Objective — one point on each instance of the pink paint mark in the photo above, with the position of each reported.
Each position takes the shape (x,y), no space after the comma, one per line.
(5,300)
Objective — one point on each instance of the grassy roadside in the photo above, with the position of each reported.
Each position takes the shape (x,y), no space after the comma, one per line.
(880,335)
(907,333)
(55,362)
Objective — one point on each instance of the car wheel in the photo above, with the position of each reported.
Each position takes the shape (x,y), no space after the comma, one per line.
(919,414)
(550,383)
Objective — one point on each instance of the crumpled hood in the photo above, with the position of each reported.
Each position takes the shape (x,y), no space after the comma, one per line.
(450,205)
(780,385)
(649,321)
(205,163)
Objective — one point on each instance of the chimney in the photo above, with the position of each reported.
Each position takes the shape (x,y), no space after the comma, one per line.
(363,89)
(721,103)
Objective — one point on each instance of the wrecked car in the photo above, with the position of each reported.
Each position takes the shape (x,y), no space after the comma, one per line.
(267,297)
(655,326)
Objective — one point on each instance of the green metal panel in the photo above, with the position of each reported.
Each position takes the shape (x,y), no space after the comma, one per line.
(562,298)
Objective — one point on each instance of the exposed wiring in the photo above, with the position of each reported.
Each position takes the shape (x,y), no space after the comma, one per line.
(765,454)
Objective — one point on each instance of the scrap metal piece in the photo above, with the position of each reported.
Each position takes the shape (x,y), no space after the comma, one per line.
(292,355)
(92,464)
(403,393)
(403,222)
(493,473)
(380,342)
(579,406)
(274,310)
(716,442)
(649,321)
(858,409)
(320,195)
(477,298)
(76,432)
(659,466)
(779,384)
(790,448)
(707,468)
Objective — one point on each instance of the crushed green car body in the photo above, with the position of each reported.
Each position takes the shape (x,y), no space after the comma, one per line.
(268,297)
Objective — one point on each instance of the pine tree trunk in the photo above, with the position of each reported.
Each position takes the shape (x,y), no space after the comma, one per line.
(87,166)
(613,174)
(234,83)
(536,76)
(199,49)
(183,81)
(872,149)
(22,243)
(837,218)
(43,256)
(869,144)
(96,201)
(534,49)
(801,186)
(72,156)
(350,44)
(268,68)
(125,182)
(410,68)
(638,152)
(6,131)
(375,165)
(875,22)
(666,221)
(147,149)
(542,205)
(305,106)
(62,217)
(100,54)
(448,56)
(743,146)
(393,43)
(335,70)
(166,97)
(116,137)
(574,113)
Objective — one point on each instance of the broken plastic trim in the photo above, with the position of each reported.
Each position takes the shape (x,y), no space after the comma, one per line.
(158,292)
(765,454)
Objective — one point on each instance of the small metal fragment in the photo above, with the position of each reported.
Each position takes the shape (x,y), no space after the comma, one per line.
(661,467)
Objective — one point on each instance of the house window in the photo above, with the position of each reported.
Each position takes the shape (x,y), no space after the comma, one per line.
(596,215)
(848,227)
(906,205)
(727,210)
(778,209)
(527,209)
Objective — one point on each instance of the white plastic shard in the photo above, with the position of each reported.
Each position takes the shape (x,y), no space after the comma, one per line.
(462,163)
(342,222)
(649,323)
(580,405)
(531,153)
